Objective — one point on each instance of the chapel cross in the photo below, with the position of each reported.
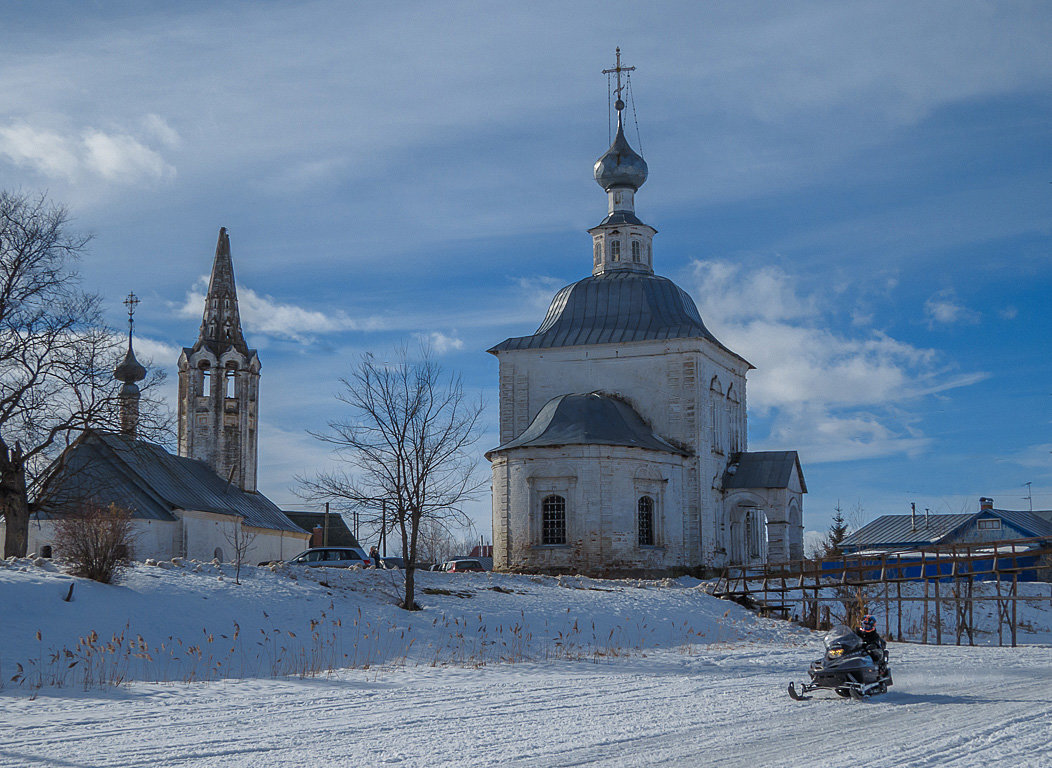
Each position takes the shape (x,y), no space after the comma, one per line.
(618,69)
(131,302)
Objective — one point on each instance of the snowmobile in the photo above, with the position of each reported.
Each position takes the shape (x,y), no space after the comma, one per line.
(849,667)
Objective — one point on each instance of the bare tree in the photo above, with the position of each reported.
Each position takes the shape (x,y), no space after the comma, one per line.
(56,355)
(239,540)
(435,542)
(96,540)
(407,445)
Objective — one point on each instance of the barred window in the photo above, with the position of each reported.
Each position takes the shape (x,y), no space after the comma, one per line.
(635,251)
(615,250)
(553,520)
(646,521)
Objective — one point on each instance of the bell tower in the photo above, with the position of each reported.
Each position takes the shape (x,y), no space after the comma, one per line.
(219,383)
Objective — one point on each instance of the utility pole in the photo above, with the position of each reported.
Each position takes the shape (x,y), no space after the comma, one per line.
(325,530)
(1028,496)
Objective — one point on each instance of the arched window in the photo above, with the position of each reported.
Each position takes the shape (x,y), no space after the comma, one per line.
(615,250)
(218,554)
(635,251)
(598,251)
(206,380)
(231,383)
(553,520)
(645,508)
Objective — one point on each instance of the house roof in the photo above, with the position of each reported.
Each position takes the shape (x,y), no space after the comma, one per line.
(763,469)
(591,419)
(150,482)
(615,307)
(339,534)
(899,530)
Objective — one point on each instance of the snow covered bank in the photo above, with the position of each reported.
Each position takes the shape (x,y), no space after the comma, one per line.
(190,622)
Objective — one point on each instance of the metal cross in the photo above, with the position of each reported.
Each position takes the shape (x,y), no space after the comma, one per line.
(131,302)
(618,69)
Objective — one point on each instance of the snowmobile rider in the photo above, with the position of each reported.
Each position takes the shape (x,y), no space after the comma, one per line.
(874,643)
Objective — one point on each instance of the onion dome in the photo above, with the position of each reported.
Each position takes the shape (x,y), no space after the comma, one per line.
(621,166)
(131,370)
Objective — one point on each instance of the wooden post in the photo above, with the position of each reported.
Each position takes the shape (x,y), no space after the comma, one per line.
(938,610)
(924,576)
(1015,596)
(1000,607)
(898,590)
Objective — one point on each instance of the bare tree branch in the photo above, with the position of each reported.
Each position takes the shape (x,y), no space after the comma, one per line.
(407,450)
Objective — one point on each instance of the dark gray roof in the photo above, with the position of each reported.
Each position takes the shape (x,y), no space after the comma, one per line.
(150,482)
(898,530)
(1029,523)
(339,534)
(592,419)
(612,308)
(762,469)
(621,217)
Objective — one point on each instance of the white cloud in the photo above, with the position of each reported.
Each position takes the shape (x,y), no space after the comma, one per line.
(264,314)
(46,152)
(119,157)
(439,342)
(831,396)
(944,308)
(157,126)
(115,157)
(1008,313)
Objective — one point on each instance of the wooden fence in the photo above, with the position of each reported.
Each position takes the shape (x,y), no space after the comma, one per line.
(945,574)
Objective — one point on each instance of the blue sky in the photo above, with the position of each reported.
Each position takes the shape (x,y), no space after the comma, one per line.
(857,195)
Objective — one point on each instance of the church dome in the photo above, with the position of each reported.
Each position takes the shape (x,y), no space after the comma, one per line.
(591,419)
(612,308)
(621,166)
(130,370)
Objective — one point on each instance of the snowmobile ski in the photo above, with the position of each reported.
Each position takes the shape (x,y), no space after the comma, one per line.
(796,696)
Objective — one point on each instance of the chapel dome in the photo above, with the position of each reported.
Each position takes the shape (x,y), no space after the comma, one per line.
(130,370)
(621,166)
(615,307)
(589,419)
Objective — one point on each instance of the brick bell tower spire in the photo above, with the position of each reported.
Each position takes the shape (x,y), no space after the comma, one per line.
(219,383)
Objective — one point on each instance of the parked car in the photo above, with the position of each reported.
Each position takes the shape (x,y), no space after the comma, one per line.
(391,562)
(462,566)
(332,557)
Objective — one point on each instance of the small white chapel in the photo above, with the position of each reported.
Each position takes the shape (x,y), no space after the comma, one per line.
(623,421)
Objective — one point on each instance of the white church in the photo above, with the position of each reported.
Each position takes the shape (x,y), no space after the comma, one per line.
(200,503)
(623,422)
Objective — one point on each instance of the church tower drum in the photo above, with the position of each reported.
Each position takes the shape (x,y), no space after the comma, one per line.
(219,383)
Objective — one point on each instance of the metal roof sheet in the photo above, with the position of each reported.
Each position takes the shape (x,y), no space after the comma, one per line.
(763,469)
(151,482)
(615,307)
(899,530)
(591,419)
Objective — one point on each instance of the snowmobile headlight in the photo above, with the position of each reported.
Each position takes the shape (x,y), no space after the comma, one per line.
(836,651)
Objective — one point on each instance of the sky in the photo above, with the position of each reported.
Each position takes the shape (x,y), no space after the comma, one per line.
(857,196)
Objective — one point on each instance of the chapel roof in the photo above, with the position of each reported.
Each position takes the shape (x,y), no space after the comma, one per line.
(589,419)
(762,469)
(151,483)
(615,307)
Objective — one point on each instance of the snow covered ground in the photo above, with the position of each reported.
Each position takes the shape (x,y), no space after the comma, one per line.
(543,672)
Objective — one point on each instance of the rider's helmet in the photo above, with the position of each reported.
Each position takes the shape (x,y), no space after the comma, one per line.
(868,623)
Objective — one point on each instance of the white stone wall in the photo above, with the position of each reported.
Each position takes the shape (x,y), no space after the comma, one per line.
(679,386)
(196,535)
(601,485)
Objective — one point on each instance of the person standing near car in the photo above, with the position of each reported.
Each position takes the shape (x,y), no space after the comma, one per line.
(374,555)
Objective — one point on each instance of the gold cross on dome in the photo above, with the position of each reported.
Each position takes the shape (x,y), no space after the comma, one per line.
(131,302)
(618,69)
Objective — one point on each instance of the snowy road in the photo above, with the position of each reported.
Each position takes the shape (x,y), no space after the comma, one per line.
(724,705)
